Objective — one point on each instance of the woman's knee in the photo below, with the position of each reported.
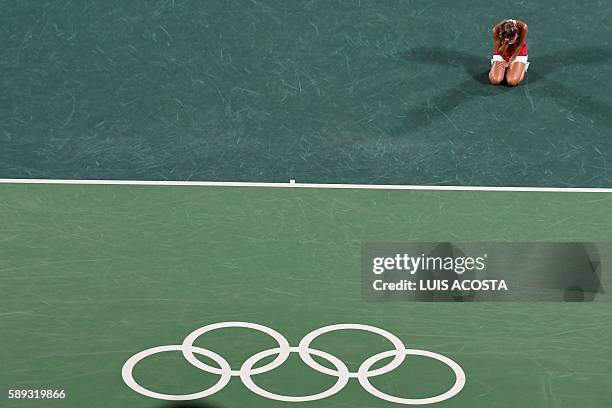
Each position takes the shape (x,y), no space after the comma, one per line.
(496,76)
(497,73)
(516,74)
(514,78)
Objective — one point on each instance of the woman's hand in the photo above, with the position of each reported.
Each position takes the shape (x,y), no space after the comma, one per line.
(503,47)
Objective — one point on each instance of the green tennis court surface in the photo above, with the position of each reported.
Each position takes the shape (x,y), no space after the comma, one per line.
(361,92)
(92,275)
(343,91)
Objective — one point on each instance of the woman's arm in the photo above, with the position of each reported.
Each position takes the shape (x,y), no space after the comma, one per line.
(523,32)
(496,40)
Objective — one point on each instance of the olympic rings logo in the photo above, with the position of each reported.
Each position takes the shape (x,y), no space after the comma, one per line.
(282,352)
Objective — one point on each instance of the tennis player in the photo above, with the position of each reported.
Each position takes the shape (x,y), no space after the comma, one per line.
(510,58)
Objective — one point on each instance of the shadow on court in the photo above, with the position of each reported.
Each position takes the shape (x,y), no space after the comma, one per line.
(190,404)
(478,85)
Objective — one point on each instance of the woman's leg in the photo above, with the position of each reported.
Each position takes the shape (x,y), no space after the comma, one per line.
(516,73)
(497,73)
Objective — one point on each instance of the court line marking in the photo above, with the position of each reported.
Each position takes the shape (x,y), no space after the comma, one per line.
(294,184)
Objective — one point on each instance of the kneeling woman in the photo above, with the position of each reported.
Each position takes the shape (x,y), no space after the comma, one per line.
(510,60)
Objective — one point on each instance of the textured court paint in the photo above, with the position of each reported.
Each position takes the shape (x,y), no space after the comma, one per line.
(385,92)
(93,274)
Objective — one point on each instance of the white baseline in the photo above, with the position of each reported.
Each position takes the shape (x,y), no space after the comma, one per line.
(293,184)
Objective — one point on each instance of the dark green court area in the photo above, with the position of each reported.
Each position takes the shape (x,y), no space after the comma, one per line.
(357,91)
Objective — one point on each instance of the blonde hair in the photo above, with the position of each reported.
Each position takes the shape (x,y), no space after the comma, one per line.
(508,29)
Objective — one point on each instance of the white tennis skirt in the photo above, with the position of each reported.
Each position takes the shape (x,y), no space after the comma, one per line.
(524,59)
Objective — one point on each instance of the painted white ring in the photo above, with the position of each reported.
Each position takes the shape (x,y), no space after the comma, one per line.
(246,372)
(304,346)
(128,377)
(280,339)
(454,390)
